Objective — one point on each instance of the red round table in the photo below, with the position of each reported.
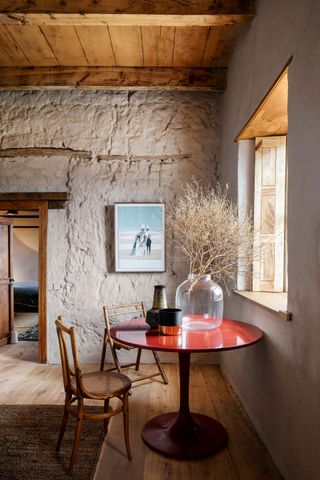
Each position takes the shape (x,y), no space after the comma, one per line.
(182,434)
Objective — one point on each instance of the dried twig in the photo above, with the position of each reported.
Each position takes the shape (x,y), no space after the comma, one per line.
(205,225)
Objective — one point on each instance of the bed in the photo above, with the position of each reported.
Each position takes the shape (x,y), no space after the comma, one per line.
(25,296)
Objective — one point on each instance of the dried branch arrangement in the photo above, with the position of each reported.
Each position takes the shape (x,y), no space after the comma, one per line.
(206,227)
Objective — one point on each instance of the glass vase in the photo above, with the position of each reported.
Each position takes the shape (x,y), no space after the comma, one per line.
(201,302)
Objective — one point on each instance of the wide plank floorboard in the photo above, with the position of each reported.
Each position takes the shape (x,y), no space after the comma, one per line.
(245,458)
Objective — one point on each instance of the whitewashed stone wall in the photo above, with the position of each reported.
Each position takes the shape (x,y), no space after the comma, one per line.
(184,126)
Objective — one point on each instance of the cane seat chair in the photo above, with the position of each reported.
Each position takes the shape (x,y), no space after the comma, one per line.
(79,386)
(114,315)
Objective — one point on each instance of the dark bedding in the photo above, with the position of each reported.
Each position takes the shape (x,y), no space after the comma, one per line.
(25,297)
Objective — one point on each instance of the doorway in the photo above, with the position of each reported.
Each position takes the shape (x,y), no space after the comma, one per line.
(29,286)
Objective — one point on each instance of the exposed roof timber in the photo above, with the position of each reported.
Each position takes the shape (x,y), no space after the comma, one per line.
(151,7)
(127,12)
(116,78)
(124,20)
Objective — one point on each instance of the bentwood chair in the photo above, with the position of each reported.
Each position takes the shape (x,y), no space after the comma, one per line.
(114,315)
(94,385)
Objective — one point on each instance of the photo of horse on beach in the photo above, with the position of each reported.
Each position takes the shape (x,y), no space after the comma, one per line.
(139,242)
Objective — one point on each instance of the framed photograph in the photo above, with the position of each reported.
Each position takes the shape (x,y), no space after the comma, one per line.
(139,237)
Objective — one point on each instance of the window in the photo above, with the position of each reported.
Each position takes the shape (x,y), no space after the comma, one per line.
(269,268)
(262,178)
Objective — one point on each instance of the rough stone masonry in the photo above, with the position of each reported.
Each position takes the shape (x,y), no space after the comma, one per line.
(144,146)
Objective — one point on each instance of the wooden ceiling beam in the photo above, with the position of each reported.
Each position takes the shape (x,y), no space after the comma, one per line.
(150,7)
(113,78)
(126,12)
(124,20)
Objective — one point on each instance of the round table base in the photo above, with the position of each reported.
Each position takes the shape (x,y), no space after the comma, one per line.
(184,437)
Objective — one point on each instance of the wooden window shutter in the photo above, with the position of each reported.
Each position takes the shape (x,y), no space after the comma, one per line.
(269,214)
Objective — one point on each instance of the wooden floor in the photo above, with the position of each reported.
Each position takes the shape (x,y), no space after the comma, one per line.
(25,382)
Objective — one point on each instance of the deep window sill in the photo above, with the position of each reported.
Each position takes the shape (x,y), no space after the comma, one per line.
(273,302)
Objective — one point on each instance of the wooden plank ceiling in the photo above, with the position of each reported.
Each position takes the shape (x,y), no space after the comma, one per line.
(119,44)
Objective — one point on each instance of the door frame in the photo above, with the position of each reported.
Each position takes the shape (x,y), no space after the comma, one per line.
(9,223)
(42,207)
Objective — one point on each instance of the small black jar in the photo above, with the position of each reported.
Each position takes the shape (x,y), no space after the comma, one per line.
(170,321)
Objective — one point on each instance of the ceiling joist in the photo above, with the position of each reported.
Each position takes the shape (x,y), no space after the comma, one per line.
(126,12)
(61,19)
(135,78)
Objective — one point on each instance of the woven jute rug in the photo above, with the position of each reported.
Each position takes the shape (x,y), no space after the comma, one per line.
(28,437)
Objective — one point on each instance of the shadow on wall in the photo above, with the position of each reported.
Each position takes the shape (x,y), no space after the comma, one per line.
(110,241)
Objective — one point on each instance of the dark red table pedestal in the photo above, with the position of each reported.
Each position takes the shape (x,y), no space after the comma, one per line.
(184,435)
(174,436)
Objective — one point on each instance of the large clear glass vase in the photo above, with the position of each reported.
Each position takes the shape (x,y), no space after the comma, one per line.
(201,302)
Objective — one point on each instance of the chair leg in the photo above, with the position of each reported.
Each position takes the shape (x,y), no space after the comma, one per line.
(77,435)
(138,359)
(160,367)
(115,359)
(63,423)
(104,348)
(106,420)
(126,423)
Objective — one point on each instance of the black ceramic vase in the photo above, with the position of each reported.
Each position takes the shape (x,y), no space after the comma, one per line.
(159,302)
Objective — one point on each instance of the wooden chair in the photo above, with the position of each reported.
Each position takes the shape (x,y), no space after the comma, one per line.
(94,385)
(113,315)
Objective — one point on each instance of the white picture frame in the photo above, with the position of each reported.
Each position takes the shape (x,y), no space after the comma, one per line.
(139,237)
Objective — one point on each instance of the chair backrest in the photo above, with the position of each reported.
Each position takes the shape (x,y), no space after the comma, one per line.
(115,314)
(67,336)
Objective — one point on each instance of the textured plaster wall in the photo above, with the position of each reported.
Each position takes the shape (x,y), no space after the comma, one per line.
(184,126)
(278,380)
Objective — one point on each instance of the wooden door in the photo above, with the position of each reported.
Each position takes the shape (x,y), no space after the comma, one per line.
(6,289)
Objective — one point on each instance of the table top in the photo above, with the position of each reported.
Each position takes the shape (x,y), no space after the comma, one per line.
(230,335)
